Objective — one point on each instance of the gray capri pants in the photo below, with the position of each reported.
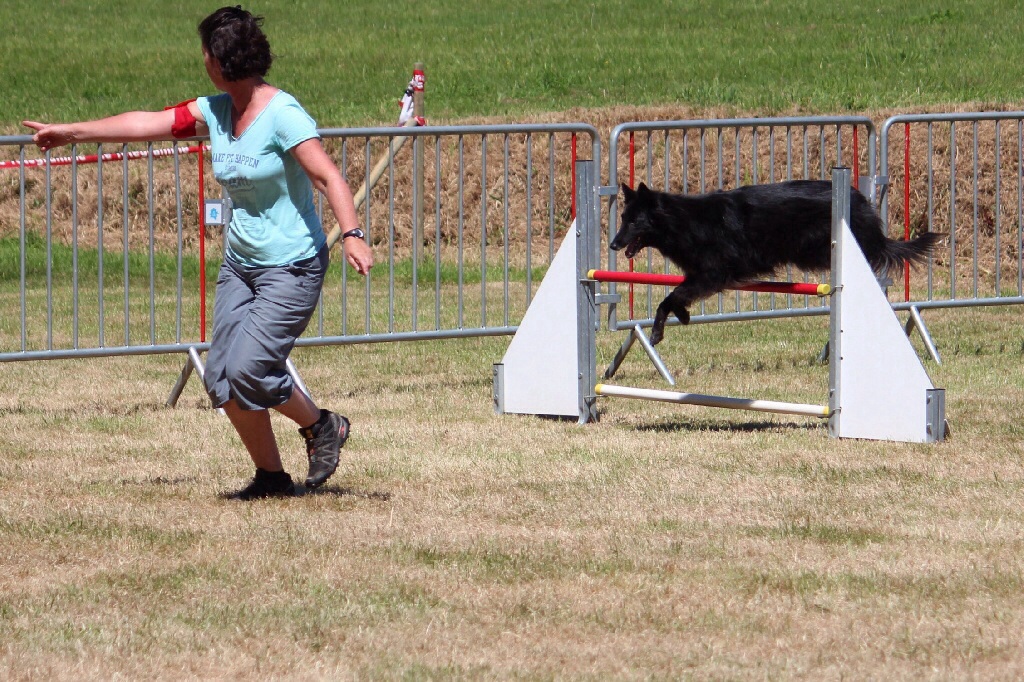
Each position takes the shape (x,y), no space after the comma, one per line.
(258,314)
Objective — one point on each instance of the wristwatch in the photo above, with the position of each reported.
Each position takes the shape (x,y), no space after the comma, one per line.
(354,233)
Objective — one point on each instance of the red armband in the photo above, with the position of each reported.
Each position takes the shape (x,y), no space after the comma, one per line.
(184,122)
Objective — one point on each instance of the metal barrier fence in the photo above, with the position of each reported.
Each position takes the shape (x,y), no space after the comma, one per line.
(70,250)
(462,241)
(102,256)
(960,174)
(467,236)
(703,156)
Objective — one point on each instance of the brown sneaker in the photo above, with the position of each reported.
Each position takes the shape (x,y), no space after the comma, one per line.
(324,441)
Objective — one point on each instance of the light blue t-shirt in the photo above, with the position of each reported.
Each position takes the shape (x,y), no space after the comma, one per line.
(274,220)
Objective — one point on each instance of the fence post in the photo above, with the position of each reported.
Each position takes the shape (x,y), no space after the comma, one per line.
(840,216)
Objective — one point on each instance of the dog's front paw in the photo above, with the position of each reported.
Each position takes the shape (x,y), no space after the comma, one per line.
(683,316)
(657,334)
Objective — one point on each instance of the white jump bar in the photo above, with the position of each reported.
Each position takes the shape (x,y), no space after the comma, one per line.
(712,400)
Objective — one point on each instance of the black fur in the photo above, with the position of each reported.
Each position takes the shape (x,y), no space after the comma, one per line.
(726,238)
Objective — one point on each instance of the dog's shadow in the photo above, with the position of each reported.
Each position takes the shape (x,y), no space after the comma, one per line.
(722,427)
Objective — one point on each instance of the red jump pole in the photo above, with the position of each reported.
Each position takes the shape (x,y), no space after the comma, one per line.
(856,160)
(802,288)
(202,246)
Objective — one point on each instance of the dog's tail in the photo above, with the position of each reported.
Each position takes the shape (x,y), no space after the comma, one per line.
(916,252)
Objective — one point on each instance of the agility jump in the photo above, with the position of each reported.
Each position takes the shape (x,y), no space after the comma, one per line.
(799,288)
(550,366)
(773,406)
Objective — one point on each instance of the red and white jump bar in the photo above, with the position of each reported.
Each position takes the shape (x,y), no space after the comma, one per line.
(94,158)
(803,288)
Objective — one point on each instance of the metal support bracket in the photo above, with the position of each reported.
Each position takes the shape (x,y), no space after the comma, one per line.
(915,321)
(637,334)
(937,428)
(880,188)
(193,363)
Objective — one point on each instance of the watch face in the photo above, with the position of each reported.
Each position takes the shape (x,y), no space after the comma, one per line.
(358,233)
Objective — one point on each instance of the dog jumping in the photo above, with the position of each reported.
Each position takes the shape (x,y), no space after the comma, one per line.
(725,238)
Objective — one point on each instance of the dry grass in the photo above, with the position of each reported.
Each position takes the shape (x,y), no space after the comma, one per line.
(665,541)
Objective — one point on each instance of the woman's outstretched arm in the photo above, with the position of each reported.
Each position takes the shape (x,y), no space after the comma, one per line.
(131,126)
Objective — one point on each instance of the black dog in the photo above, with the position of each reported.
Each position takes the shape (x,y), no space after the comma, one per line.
(725,238)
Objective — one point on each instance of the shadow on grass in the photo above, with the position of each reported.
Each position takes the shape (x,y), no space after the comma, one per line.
(303,491)
(159,481)
(343,491)
(717,427)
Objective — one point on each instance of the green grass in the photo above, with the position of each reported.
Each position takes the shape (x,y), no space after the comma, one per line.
(63,260)
(165,319)
(349,62)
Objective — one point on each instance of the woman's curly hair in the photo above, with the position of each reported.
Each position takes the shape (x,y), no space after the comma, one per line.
(233,37)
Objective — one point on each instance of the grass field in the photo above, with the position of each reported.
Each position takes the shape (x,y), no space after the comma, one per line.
(349,62)
(664,542)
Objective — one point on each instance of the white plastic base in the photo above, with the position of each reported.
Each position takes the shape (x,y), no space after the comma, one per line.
(541,366)
(882,391)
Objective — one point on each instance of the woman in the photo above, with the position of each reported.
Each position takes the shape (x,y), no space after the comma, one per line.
(267,155)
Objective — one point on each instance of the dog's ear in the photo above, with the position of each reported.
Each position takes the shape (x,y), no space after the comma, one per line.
(643,189)
(628,193)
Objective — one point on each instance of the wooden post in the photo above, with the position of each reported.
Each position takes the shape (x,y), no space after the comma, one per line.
(419,83)
(378,170)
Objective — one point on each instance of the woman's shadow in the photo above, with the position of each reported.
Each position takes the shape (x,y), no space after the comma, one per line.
(342,491)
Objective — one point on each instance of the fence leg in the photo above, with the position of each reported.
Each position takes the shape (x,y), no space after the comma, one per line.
(192,362)
(290,366)
(653,355)
(179,385)
(620,356)
(823,355)
(915,321)
(637,334)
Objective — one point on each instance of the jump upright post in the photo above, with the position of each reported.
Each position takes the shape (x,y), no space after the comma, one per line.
(872,395)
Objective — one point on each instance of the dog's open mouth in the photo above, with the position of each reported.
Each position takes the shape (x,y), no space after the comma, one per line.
(633,248)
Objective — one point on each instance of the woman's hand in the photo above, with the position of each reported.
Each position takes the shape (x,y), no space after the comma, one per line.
(50,135)
(358,254)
